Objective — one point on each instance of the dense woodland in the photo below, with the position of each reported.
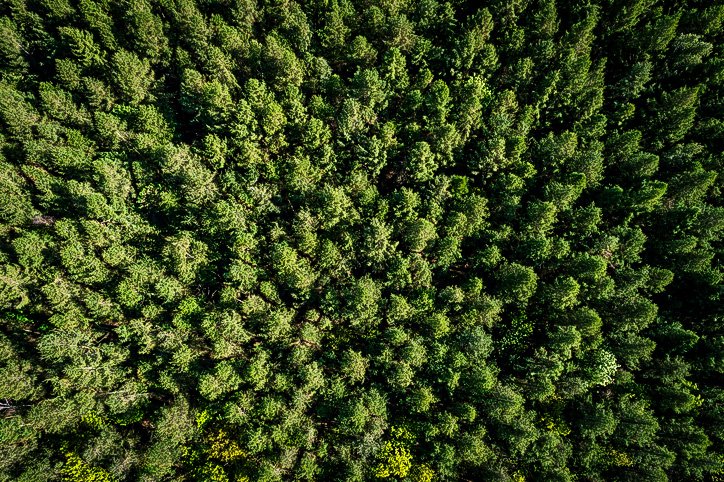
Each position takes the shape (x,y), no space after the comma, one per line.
(361,240)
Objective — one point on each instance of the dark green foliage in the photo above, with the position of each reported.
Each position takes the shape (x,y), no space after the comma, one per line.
(361,240)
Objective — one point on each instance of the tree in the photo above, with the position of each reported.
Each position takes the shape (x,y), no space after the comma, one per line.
(132,76)
(343,240)
(517,283)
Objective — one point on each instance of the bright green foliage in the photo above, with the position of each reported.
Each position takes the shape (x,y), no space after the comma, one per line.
(396,460)
(76,469)
(252,240)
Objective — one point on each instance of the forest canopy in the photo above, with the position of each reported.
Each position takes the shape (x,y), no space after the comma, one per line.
(358,240)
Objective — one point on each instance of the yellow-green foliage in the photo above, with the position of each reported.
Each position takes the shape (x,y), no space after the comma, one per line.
(401,435)
(221,447)
(94,420)
(718,474)
(78,470)
(620,459)
(209,461)
(202,418)
(697,400)
(396,459)
(213,473)
(423,473)
(557,427)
